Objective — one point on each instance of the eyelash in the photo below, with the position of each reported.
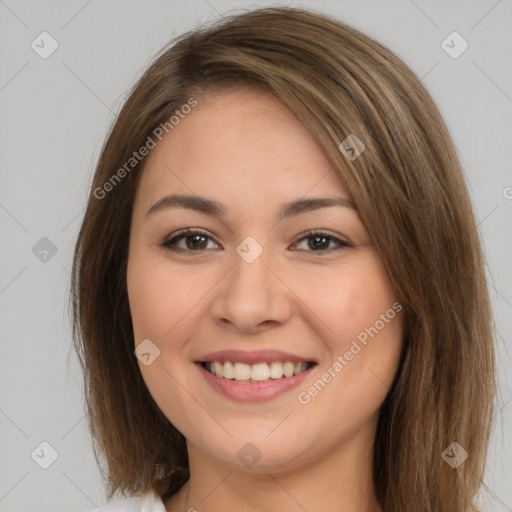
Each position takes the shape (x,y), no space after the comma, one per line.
(169,244)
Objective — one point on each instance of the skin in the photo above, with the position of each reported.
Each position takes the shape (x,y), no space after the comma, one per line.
(246,150)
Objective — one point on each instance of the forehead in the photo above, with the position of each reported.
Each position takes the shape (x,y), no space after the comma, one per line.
(239,143)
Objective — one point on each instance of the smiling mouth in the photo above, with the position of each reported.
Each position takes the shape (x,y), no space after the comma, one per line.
(260,372)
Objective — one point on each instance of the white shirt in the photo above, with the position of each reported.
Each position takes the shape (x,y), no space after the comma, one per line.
(148,502)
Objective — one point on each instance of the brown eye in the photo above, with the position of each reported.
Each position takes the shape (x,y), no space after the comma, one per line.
(319,241)
(195,240)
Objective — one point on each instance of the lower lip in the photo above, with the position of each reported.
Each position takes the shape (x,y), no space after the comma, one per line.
(252,391)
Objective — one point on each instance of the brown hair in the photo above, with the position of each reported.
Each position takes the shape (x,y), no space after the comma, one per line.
(409,190)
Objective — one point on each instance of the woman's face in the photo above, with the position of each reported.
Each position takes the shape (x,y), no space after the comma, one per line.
(273,284)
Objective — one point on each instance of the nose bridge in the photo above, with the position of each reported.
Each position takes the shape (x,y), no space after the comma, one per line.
(251,261)
(250,250)
(251,294)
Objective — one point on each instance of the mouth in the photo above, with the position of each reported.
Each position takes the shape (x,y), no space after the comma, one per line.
(254,376)
(256,373)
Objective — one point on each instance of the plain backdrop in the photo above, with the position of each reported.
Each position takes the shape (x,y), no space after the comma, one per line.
(55,112)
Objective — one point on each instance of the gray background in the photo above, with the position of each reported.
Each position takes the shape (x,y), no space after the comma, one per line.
(55,113)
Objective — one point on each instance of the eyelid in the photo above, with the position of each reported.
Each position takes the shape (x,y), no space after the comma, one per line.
(322,232)
(183,233)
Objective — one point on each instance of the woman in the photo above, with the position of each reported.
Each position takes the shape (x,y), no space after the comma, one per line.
(278,288)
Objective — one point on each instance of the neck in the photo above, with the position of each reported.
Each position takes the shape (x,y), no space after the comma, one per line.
(340,480)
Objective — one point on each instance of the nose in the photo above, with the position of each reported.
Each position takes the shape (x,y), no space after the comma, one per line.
(252,297)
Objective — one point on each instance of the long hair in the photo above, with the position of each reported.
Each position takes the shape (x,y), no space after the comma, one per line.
(409,190)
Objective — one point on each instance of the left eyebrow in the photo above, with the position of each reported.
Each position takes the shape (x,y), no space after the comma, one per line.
(214,208)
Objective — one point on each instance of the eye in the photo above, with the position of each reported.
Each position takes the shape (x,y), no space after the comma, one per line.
(320,242)
(195,240)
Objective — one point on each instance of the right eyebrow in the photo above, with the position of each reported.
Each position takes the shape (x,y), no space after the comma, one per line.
(214,208)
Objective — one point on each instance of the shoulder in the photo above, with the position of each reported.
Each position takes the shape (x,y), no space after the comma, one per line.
(147,502)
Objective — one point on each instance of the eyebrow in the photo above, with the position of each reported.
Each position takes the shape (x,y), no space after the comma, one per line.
(214,208)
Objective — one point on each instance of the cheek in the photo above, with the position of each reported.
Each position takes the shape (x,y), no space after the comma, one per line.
(147,302)
(364,337)
(364,341)
(161,299)
(352,300)
(162,312)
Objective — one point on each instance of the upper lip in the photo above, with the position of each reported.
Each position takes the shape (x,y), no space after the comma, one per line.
(252,357)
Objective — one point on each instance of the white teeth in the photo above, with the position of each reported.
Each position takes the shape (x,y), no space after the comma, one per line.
(217,366)
(288,369)
(276,370)
(228,370)
(242,371)
(260,372)
(299,368)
